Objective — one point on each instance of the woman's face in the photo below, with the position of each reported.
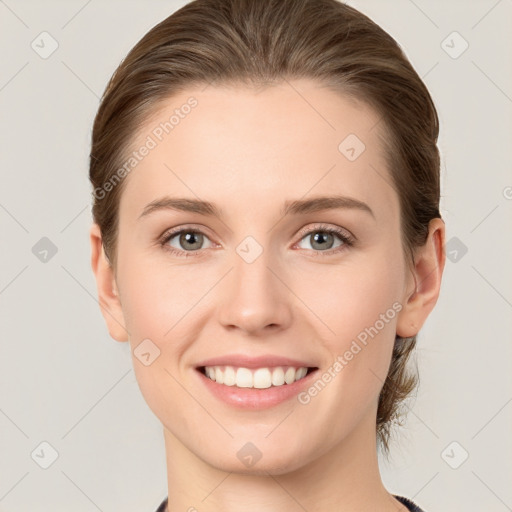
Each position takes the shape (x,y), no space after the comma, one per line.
(254,282)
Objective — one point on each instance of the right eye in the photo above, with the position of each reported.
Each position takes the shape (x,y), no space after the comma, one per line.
(183,241)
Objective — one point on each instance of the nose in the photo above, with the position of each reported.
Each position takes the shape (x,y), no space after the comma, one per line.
(255,299)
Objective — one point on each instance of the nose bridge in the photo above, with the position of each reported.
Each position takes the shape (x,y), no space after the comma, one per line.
(254,298)
(251,267)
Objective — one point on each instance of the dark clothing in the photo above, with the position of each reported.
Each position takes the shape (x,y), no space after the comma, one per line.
(405,501)
(162,506)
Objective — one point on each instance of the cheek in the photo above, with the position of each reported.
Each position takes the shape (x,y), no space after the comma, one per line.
(358,306)
(348,297)
(157,303)
(156,297)
(165,304)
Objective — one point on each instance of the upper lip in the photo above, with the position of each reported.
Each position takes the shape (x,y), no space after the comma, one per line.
(245,361)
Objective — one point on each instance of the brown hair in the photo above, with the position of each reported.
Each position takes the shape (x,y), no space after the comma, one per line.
(254,43)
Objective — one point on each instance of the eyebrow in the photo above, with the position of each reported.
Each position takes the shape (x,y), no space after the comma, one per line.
(297,207)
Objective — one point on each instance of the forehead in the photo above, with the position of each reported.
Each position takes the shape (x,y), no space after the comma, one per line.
(252,147)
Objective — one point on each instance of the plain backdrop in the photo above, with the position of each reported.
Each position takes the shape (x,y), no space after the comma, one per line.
(65,383)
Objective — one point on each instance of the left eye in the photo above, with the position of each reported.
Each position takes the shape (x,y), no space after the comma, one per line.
(324,239)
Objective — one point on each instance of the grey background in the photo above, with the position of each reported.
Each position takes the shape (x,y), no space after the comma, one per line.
(64,381)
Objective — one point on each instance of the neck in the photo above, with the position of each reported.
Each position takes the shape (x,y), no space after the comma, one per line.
(344,479)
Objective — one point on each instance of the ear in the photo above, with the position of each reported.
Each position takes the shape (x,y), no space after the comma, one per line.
(424,281)
(108,294)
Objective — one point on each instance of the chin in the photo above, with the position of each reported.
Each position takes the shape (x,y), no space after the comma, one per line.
(248,461)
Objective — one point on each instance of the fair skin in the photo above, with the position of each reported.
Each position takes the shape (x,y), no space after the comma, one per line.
(248,152)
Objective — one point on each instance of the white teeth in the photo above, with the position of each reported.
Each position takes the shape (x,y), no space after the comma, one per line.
(289,375)
(301,372)
(260,378)
(229,376)
(278,377)
(243,378)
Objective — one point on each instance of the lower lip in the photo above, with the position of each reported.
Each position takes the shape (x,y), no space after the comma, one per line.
(253,398)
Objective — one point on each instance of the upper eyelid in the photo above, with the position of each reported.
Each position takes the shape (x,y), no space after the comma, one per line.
(325,227)
(171,232)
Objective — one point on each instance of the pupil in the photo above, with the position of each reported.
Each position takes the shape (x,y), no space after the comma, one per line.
(189,239)
(319,236)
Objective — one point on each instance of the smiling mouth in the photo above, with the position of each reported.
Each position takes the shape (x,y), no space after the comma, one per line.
(258,378)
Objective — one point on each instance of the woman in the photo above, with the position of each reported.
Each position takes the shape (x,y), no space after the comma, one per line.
(235,139)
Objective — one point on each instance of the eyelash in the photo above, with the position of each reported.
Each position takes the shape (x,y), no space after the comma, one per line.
(348,240)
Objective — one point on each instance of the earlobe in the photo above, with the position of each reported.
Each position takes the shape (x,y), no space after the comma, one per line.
(108,294)
(425,281)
